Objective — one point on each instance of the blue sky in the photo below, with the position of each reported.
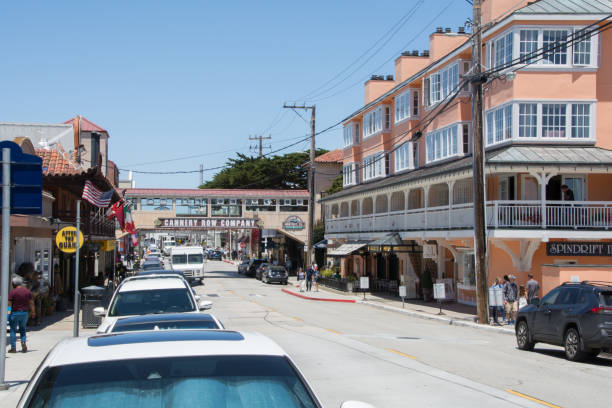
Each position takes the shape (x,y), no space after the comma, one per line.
(170,79)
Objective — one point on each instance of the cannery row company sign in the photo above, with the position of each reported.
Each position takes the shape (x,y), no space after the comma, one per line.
(194,222)
(569,248)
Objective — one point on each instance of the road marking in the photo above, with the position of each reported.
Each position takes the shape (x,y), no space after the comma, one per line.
(333,331)
(271,309)
(296,318)
(532,399)
(402,354)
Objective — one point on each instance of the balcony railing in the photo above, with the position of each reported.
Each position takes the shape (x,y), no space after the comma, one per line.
(499,214)
(99,227)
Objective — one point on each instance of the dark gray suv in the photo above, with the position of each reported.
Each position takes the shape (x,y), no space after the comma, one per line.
(577,316)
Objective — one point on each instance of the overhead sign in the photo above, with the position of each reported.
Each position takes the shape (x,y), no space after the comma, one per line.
(569,248)
(430,251)
(66,240)
(26,181)
(293,223)
(206,223)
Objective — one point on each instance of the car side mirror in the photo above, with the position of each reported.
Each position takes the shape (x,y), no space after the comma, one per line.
(99,311)
(197,297)
(356,404)
(205,305)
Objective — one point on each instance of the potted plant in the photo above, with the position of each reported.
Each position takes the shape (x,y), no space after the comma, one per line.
(350,281)
(426,285)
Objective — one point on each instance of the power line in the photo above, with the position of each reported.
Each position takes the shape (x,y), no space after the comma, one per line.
(260,140)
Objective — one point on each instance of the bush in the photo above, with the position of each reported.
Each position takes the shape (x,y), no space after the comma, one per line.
(350,277)
(327,273)
(426,282)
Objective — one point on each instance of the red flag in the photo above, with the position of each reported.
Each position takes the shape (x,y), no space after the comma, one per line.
(117,209)
(134,240)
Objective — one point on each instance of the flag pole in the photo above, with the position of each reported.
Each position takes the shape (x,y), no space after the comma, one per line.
(75,331)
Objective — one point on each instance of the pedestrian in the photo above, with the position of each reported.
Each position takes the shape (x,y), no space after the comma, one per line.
(511,298)
(309,275)
(37,297)
(533,288)
(300,277)
(568,194)
(315,276)
(497,310)
(20,300)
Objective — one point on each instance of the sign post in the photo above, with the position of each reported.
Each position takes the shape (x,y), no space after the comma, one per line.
(364,284)
(79,237)
(439,294)
(402,293)
(21,194)
(6,237)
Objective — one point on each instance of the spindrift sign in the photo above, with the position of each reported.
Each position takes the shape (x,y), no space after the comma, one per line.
(569,248)
(190,223)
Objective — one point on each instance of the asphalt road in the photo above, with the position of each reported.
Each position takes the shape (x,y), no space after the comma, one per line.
(357,352)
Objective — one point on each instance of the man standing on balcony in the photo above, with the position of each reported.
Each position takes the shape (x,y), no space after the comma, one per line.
(568,194)
(511,299)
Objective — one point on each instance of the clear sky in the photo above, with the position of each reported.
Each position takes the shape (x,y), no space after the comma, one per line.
(171,79)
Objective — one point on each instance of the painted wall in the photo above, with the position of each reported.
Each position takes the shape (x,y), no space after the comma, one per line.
(553,275)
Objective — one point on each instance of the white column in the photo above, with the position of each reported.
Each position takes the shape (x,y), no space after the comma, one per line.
(425,203)
(451,187)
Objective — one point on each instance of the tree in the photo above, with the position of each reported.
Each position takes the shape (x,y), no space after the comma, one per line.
(286,172)
(336,185)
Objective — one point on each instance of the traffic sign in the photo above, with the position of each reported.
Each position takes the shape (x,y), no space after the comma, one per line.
(66,239)
(26,181)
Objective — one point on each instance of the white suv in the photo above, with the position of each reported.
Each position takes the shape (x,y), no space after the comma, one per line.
(150,294)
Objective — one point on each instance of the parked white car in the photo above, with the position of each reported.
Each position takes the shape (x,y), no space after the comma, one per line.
(174,368)
(150,294)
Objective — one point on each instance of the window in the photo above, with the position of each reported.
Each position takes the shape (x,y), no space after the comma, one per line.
(294,205)
(528,120)
(187,207)
(415,155)
(223,208)
(582,48)
(551,297)
(466,138)
(443,84)
(374,166)
(155,204)
(555,51)
(387,118)
(553,120)
(349,174)
(402,157)
(499,124)
(372,122)
(260,204)
(348,135)
(528,45)
(402,106)
(415,103)
(580,120)
(442,143)
(503,51)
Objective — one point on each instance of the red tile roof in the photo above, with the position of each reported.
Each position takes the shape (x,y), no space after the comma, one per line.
(174,192)
(56,161)
(86,125)
(335,156)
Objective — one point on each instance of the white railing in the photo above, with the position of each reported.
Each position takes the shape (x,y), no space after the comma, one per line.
(499,214)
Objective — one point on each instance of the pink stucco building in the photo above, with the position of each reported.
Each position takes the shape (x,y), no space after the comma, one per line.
(406,206)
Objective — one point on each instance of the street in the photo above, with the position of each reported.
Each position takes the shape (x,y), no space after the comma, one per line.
(354,351)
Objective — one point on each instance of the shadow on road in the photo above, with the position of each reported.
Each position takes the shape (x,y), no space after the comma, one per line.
(602,360)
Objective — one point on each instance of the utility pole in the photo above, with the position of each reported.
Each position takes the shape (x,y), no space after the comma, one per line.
(201,174)
(480,240)
(77,294)
(311,179)
(260,139)
(5,279)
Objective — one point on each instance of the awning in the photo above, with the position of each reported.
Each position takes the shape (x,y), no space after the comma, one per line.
(346,249)
(321,244)
(391,243)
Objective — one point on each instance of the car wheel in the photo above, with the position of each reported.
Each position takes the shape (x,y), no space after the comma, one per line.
(573,345)
(522,336)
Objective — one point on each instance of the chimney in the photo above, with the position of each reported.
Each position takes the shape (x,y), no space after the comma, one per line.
(448,30)
(425,53)
(415,53)
(389,77)
(439,30)
(408,64)
(376,87)
(461,30)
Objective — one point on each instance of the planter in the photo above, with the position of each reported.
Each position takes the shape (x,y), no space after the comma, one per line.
(349,286)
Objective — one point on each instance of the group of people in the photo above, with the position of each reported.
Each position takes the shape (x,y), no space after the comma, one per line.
(514,297)
(308,278)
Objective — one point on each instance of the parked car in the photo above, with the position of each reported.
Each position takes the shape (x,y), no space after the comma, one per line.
(244,266)
(274,273)
(577,316)
(155,294)
(253,265)
(153,264)
(160,272)
(260,270)
(171,321)
(170,368)
(216,255)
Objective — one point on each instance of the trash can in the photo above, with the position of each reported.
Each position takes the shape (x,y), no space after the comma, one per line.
(91,297)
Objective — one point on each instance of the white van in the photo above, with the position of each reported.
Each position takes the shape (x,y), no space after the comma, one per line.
(190,261)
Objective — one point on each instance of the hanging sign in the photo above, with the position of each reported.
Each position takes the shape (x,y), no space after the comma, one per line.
(573,248)
(430,251)
(293,223)
(66,240)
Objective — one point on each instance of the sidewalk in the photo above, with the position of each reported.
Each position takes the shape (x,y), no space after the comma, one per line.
(20,367)
(453,313)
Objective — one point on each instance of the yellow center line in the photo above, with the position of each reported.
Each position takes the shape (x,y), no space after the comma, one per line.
(532,399)
(333,331)
(401,354)
(297,318)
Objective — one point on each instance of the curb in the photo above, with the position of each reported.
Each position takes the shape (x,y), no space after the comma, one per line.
(454,322)
(319,299)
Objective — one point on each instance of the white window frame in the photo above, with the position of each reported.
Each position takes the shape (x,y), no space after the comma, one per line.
(374,166)
(347,135)
(349,174)
(444,83)
(540,137)
(406,105)
(439,143)
(493,126)
(373,121)
(542,64)
(403,157)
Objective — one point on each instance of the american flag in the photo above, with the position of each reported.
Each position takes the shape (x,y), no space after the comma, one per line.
(98,198)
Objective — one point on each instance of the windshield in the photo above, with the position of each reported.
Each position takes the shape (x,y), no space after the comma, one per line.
(173,325)
(195,258)
(179,259)
(151,301)
(204,382)
(277,269)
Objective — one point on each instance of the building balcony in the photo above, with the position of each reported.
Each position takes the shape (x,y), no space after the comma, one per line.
(503,215)
(90,226)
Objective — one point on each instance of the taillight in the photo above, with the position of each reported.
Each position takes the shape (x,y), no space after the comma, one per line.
(600,309)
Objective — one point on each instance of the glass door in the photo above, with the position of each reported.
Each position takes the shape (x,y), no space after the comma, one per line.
(578,186)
